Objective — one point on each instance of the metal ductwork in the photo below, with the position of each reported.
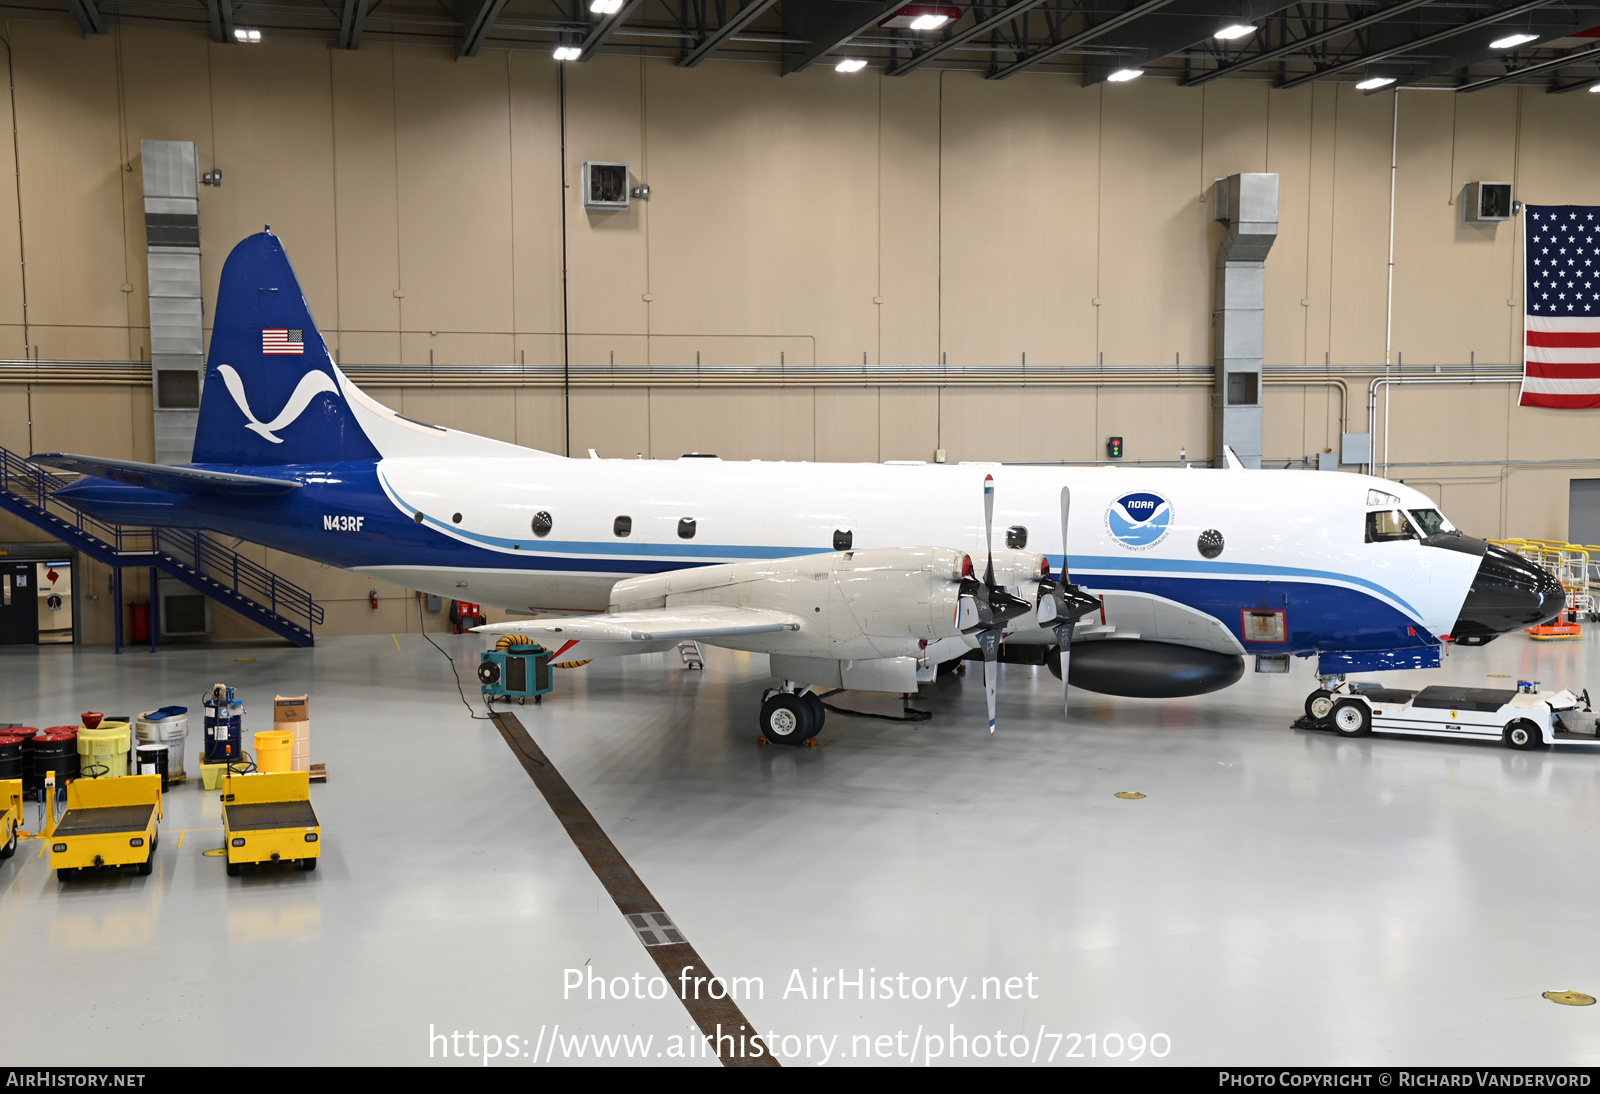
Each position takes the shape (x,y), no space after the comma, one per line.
(177,343)
(1248,205)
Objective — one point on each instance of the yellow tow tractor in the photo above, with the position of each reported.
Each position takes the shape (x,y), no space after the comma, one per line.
(11,817)
(108,822)
(267,817)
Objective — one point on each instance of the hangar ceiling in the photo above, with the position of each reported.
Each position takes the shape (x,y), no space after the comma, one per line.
(1465,46)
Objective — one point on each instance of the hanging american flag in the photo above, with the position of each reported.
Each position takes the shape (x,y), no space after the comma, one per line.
(1561,320)
(283,341)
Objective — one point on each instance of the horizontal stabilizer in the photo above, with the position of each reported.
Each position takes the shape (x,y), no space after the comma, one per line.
(651,625)
(171,480)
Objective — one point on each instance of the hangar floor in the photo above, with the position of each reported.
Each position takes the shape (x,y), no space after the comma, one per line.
(1278,896)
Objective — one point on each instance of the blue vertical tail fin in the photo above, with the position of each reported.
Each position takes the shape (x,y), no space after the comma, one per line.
(272,393)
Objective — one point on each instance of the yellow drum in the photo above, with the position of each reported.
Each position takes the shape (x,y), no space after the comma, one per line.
(274,750)
(107,745)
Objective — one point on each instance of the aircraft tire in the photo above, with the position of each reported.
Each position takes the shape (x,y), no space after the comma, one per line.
(1319,705)
(1523,735)
(1352,718)
(819,713)
(786,720)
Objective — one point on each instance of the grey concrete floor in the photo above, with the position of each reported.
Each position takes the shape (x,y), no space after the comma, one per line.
(1279,897)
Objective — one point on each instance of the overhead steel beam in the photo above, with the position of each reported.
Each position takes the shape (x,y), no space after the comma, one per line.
(87,16)
(1138,11)
(1416,43)
(477,19)
(604,29)
(1532,70)
(1581,85)
(961,37)
(1552,23)
(1179,27)
(351,19)
(221,12)
(742,18)
(825,25)
(1309,40)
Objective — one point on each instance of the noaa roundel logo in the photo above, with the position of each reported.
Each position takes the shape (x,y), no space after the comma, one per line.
(1139,521)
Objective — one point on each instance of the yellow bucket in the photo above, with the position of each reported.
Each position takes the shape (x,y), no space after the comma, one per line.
(108,745)
(274,748)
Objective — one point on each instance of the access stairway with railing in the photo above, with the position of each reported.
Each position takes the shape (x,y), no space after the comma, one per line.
(194,558)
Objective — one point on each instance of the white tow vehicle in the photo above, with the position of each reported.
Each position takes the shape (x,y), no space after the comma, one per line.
(1520,717)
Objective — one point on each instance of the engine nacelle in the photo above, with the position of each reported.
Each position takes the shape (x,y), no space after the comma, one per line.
(885,602)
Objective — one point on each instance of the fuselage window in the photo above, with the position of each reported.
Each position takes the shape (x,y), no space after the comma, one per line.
(1387,526)
(686,528)
(542,523)
(622,527)
(1016,537)
(1431,521)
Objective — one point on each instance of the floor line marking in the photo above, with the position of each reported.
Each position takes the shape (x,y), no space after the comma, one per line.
(720,1020)
(396,642)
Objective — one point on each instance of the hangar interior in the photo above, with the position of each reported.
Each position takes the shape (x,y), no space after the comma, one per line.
(921,259)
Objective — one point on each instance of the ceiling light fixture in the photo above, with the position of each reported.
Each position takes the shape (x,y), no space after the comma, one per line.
(1238,30)
(1372,83)
(1123,75)
(922,17)
(850,64)
(567,53)
(606,7)
(1512,41)
(242,35)
(1596,87)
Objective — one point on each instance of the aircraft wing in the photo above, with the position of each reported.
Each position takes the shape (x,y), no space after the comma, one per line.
(156,476)
(651,625)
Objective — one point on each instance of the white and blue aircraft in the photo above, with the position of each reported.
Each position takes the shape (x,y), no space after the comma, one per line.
(865,576)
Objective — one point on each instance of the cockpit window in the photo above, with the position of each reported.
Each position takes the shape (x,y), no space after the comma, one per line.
(1431,521)
(1388,525)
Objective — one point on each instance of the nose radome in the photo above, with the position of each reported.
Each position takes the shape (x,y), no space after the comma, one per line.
(1508,593)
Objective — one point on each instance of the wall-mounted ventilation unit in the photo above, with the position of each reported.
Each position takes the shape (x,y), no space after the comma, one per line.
(1487,202)
(605,185)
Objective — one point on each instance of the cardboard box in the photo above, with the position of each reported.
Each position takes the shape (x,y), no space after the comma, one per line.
(291,708)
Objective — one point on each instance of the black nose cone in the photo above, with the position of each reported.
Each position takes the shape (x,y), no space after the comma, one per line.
(1508,592)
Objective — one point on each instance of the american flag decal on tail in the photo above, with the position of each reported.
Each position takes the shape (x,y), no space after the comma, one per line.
(1561,343)
(283,341)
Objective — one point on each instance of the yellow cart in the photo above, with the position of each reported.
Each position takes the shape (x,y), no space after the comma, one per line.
(108,822)
(267,817)
(10,815)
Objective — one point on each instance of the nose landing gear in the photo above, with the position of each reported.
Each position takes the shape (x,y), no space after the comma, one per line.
(1320,703)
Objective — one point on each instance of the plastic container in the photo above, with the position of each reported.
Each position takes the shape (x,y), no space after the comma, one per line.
(168,726)
(106,745)
(152,760)
(273,750)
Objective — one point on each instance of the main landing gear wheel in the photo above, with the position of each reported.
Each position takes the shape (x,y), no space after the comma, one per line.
(786,719)
(1351,718)
(819,713)
(1319,705)
(1522,735)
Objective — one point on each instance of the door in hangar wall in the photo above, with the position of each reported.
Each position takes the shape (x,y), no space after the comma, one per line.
(1583,511)
(19,604)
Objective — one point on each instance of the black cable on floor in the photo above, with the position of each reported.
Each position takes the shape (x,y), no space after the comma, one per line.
(911,714)
(422,626)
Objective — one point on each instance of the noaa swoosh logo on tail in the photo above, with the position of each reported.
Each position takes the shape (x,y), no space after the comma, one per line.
(310,386)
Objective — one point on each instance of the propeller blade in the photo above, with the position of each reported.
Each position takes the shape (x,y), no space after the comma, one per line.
(1064,640)
(988,527)
(991,669)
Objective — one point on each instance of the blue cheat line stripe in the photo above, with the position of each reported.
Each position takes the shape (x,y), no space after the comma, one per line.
(1223,569)
(727,551)
(659,551)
